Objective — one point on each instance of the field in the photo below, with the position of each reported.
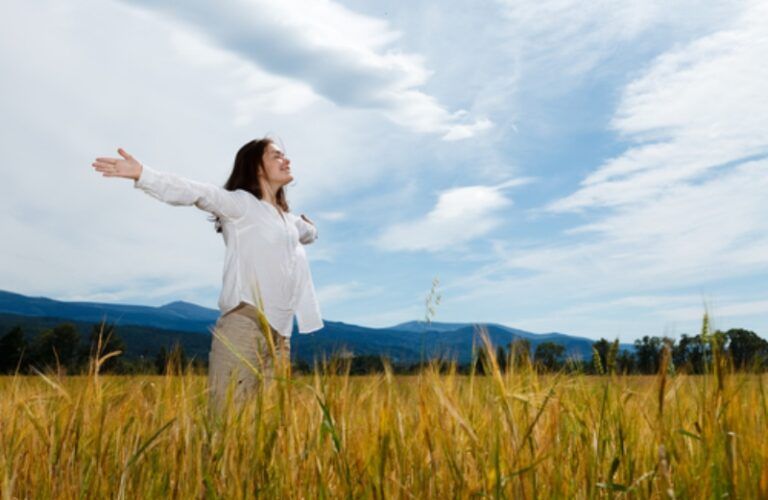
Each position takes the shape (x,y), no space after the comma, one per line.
(434,435)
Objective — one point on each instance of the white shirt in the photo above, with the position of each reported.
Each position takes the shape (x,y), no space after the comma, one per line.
(264,251)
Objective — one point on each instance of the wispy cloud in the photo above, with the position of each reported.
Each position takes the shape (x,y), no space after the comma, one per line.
(561,41)
(254,91)
(692,235)
(340,292)
(349,58)
(697,109)
(684,207)
(730,309)
(687,200)
(459,216)
(332,216)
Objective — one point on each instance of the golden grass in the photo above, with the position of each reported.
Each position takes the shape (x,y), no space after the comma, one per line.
(514,435)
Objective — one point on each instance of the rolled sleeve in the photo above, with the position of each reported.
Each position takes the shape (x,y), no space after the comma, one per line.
(307,232)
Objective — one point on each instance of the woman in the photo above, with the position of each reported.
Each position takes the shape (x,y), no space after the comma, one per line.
(266,273)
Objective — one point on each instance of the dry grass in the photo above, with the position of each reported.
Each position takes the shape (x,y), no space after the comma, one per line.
(515,435)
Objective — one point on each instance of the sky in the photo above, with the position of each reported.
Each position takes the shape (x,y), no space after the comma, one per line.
(598,169)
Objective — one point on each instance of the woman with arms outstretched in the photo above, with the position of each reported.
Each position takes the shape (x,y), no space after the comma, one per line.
(265,265)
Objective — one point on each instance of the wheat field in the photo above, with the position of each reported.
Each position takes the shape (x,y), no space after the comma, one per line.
(517,434)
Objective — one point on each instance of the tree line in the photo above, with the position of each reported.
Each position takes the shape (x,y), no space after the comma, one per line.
(744,350)
(64,349)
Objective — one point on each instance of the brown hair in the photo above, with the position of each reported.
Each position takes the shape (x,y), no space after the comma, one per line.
(248,161)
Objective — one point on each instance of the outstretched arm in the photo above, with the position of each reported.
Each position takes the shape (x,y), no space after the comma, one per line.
(171,188)
(307,229)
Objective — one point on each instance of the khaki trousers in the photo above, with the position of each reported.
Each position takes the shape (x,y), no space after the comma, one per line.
(241,355)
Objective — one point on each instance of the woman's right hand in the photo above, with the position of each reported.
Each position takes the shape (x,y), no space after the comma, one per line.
(127,166)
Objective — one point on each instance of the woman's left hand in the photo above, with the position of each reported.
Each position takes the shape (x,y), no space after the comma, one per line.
(305,218)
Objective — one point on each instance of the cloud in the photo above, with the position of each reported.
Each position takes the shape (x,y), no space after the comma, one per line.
(346,57)
(731,309)
(559,42)
(339,292)
(682,208)
(253,90)
(687,204)
(690,236)
(388,317)
(696,110)
(332,216)
(459,216)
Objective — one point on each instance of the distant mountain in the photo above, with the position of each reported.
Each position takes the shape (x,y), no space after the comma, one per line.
(452,338)
(434,326)
(503,335)
(181,316)
(189,311)
(423,326)
(139,340)
(146,328)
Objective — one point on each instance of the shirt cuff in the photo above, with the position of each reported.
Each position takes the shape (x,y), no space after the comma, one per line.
(145,178)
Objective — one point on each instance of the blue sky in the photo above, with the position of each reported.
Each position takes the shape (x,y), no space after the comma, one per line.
(596,169)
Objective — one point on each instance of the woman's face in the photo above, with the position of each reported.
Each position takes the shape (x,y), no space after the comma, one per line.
(276,166)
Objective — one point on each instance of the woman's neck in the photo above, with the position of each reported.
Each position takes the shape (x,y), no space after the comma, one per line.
(269,193)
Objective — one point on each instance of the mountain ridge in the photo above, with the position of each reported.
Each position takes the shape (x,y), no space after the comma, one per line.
(406,342)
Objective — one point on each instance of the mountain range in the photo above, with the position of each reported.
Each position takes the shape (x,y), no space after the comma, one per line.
(145,328)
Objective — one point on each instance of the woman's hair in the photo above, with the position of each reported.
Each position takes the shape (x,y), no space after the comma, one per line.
(248,161)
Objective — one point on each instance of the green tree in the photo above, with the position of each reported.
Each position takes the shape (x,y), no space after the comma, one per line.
(747,350)
(648,353)
(161,360)
(177,358)
(612,358)
(625,362)
(480,361)
(502,358)
(58,347)
(549,355)
(519,352)
(600,351)
(368,363)
(486,355)
(691,352)
(12,347)
(102,341)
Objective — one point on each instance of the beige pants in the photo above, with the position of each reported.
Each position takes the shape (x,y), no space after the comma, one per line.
(241,355)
